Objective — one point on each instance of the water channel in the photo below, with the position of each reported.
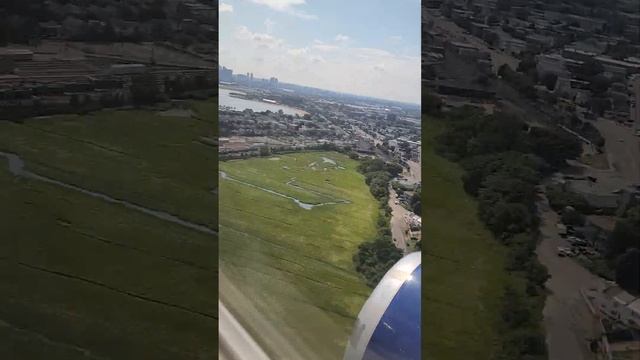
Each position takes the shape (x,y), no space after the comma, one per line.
(16,167)
(226,99)
(304,205)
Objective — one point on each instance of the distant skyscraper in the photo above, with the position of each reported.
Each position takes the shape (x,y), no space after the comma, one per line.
(273,82)
(225,74)
(251,77)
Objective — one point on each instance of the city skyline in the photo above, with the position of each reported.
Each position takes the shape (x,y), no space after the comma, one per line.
(284,83)
(305,43)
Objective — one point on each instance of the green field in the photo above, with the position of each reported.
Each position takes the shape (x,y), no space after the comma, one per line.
(463,272)
(82,278)
(292,266)
(158,161)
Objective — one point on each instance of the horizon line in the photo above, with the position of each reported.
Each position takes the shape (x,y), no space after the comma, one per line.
(335,91)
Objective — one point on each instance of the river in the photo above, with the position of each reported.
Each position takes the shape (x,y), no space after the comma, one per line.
(304,205)
(225,99)
(16,167)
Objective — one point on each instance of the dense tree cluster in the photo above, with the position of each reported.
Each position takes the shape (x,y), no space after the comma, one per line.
(180,86)
(504,159)
(470,133)
(626,233)
(588,130)
(415,202)
(624,250)
(522,338)
(560,198)
(375,258)
(431,104)
(521,82)
(627,273)
(377,175)
(144,89)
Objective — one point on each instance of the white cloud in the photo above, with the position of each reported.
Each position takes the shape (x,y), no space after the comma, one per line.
(372,54)
(287,6)
(303,15)
(269,24)
(317,59)
(341,38)
(321,46)
(224,7)
(263,40)
(280,5)
(325,47)
(298,52)
(365,71)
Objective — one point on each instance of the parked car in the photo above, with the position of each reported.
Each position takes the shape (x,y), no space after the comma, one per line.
(563,251)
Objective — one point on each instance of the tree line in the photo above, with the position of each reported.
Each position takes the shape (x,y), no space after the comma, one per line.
(374,258)
(504,158)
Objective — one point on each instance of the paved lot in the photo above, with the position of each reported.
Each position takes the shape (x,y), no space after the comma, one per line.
(414,173)
(623,149)
(567,320)
(399,226)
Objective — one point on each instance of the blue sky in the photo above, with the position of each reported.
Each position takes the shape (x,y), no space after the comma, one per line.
(366,47)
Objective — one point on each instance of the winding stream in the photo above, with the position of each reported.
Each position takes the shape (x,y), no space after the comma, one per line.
(306,206)
(16,167)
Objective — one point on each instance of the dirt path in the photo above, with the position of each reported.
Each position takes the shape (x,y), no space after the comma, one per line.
(567,320)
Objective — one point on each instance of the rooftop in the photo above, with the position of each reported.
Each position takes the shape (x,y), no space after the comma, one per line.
(618,62)
(14,51)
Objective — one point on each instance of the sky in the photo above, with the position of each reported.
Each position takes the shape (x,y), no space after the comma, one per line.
(362,47)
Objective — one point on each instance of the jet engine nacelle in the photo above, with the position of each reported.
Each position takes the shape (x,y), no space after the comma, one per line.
(388,326)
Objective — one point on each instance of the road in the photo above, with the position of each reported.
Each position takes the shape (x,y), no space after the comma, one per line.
(623,149)
(399,226)
(567,319)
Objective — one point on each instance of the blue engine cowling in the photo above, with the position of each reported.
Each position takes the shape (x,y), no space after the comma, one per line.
(388,326)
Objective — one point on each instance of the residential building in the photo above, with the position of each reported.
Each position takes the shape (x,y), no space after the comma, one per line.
(14,54)
(616,304)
